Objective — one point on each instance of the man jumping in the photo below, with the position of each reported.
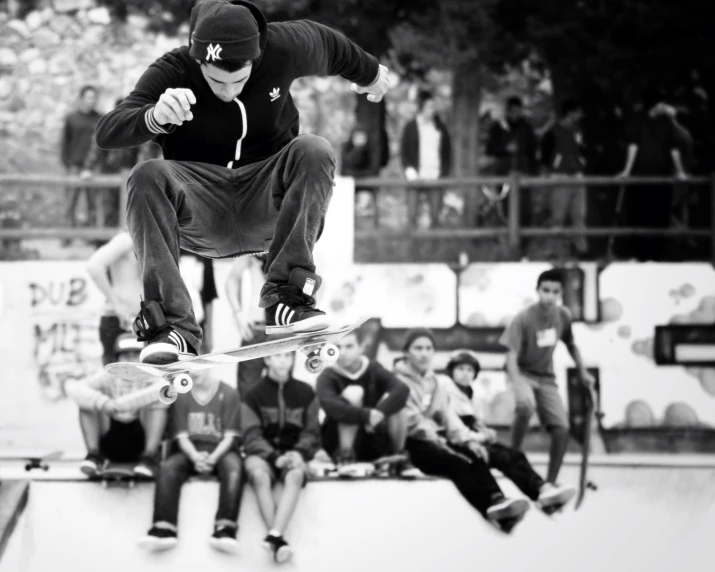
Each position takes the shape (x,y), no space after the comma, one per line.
(237,178)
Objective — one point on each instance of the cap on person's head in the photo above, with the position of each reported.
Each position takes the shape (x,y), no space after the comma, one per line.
(128,343)
(416,333)
(464,358)
(224,31)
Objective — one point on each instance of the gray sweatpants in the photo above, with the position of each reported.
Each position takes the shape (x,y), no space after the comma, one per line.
(276,205)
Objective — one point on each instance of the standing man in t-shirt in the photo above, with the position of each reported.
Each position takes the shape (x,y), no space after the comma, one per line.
(531,339)
(205,427)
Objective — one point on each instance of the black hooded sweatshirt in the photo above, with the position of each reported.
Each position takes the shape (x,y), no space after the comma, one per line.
(256,124)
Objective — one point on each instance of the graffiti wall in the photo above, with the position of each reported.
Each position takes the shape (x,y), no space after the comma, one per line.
(49,312)
(48,333)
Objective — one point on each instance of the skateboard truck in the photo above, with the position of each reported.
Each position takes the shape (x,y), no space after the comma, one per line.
(318,355)
(169,391)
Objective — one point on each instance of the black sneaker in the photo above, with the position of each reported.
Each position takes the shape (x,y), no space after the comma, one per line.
(279,547)
(158,539)
(92,465)
(224,539)
(295,311)
(146,467)
(168,347)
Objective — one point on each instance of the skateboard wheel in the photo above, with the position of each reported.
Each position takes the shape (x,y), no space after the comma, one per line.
(28,467)
(167,394)
(329,353)
(314,364)
(183,383)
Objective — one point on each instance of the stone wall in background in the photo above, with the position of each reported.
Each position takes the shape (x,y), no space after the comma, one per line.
(48,56)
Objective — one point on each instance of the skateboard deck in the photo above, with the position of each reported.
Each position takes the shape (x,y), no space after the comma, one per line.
(583,482)
(118,474)
(318,347)
(32,460)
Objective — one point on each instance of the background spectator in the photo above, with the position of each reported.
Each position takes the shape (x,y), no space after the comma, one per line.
(77,140)
(426,153)
(654,149)
(562,154)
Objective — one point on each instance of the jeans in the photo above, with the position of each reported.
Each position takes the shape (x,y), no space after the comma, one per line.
(275,205)
(469,474)
(109,330)
(174,472)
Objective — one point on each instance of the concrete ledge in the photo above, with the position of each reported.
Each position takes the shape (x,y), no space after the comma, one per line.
(13,499)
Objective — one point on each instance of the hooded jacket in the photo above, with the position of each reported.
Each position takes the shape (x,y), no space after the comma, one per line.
(376,382)
(256,124)
(280,417)
(428,408)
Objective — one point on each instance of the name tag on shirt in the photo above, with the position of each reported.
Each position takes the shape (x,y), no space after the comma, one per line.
(546,338)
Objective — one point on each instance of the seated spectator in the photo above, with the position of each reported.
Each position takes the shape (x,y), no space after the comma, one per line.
(114,269)
(440,444)
(205,429)
(364,407)
(117,427)
(464,368)
(281,434)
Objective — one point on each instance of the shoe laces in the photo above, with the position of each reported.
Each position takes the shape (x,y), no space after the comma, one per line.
(295,297)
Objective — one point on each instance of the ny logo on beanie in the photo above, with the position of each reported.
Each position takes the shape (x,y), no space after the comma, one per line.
(213,52)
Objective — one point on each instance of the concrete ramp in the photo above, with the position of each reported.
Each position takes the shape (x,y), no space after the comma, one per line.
(651,519)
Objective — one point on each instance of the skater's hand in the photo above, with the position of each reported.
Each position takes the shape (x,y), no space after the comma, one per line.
(378,88)
(479,450)
(174,106)
(376,417)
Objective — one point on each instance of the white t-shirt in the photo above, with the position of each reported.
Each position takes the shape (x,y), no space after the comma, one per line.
(430,142)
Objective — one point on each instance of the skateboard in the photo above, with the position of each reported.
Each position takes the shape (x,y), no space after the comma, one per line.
(33,460)
(118,474)
(583,482)
(363,470)
(318,347)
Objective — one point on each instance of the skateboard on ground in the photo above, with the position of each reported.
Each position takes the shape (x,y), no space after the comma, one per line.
(32,460)
(318,347)
(376,468)
(118,474)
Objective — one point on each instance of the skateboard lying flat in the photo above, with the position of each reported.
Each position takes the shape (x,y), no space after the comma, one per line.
(32,460)
(318,347)
(359,470)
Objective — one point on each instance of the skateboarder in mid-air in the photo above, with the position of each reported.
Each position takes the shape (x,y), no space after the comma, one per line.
(237,178)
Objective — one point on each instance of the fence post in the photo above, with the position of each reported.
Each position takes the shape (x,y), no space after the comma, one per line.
(514,216)
(712,220)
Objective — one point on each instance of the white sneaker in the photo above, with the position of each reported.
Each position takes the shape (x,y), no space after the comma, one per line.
(508,508)
(158,540)
(224,540)
(555,495)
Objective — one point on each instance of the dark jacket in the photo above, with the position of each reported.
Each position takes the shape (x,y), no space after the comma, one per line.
(258,123)
(523,160)
(277,418)
(77,138)
(376,382)
(411,147)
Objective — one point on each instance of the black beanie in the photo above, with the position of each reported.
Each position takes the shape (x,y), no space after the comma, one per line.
(415,333)
(224,31)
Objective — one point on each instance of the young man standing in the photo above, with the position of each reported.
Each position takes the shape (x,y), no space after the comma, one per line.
(119,422)
(364,406)
(459,455)
(464,368)
(281,434)
(237,178)
(531,339)
(206,427)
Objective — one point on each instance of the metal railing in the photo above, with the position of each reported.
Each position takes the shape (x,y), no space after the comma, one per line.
(513,231)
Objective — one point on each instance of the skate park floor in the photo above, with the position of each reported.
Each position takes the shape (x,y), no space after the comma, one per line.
(650,513)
